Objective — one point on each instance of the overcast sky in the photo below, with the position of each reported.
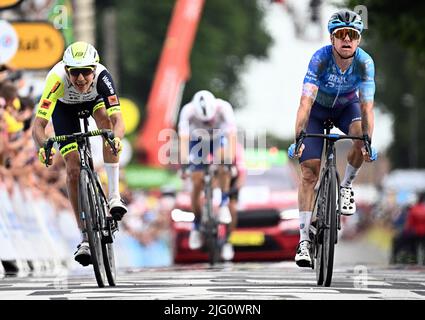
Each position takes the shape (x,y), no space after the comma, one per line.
(273,87)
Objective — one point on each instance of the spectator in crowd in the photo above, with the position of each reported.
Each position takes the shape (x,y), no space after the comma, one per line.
(413,231)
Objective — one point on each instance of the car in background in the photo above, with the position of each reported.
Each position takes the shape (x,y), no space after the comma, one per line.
(268,225)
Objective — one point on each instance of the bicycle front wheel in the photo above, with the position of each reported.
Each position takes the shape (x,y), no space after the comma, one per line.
(330,229)
(88,211)
(107,240)
(211,228)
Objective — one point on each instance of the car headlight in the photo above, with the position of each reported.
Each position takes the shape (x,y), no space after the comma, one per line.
(289,214)
(182,216)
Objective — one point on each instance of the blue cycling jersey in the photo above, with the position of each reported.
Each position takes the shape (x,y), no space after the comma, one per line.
(336,87)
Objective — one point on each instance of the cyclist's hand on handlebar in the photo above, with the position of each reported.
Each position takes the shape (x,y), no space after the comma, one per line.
(291,151)
(117,144)
(370,157)
(42,156)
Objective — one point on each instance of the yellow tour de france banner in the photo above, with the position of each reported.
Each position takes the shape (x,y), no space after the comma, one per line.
(6,4)
(41,45)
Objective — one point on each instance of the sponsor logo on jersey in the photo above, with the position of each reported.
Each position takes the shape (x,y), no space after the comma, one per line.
(108,83)
(54,89)
(46,104)
(113,100)
(42,113)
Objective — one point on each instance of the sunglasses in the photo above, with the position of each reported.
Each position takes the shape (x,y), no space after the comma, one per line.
(75,72)
(340,34)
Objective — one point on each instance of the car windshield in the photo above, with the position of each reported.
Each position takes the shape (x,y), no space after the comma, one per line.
(276,178)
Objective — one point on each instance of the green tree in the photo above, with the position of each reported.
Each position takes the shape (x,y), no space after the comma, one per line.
(229,32)
(396,41)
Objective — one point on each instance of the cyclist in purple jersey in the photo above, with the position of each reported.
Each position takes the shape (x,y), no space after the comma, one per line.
(339,85)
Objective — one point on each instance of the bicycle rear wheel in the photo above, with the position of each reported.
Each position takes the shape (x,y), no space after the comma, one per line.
(87,207)
(330,230)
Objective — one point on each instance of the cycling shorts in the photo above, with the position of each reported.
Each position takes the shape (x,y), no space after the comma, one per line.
(341,115)
(66,121)
(200,150)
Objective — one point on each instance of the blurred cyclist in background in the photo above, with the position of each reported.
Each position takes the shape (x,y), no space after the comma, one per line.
(238,175)
(340,86)
(207,128)
(79,82)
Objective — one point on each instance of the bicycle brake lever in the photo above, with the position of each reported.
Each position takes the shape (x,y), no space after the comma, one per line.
(47,151)
(109,137)
(299,141)
(367,144)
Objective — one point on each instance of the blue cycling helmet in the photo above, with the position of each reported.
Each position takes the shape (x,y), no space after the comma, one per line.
(345,19)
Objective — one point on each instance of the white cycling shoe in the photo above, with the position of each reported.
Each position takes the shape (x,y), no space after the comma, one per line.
(117,208)
(195,239)
(302,258)
(348,206)
(227,252)
(82,255)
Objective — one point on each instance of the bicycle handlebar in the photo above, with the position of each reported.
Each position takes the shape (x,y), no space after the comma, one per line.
(107,134)
(334,137)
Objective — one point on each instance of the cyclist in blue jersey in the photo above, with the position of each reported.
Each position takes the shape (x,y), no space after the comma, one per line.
(339,85)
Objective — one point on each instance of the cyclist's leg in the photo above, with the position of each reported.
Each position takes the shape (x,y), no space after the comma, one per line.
(310,167)
(220,151)
(197,155)
(310,170)
(111,161)
(65,121)
(197,177)
(349,121)
(227,251)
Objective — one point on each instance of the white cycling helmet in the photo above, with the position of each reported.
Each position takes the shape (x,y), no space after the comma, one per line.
(205,105)
(80,54)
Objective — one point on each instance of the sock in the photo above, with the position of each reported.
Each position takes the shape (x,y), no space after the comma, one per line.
(305,218)
(350,175)
(113,173)
(224,199)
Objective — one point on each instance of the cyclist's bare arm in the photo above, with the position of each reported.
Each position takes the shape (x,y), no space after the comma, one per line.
(368,117)
(231,147)
(368,120)
(117,124)
(307,99)
(38,131)
(184,148)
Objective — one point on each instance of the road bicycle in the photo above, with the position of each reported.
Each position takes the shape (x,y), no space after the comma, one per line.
(326,217)
(92,202)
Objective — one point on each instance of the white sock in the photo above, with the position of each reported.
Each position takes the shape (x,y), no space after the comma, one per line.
(113,173)
(350,175)
(305,219)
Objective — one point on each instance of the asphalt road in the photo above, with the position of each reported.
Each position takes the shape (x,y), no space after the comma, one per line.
(361,272)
